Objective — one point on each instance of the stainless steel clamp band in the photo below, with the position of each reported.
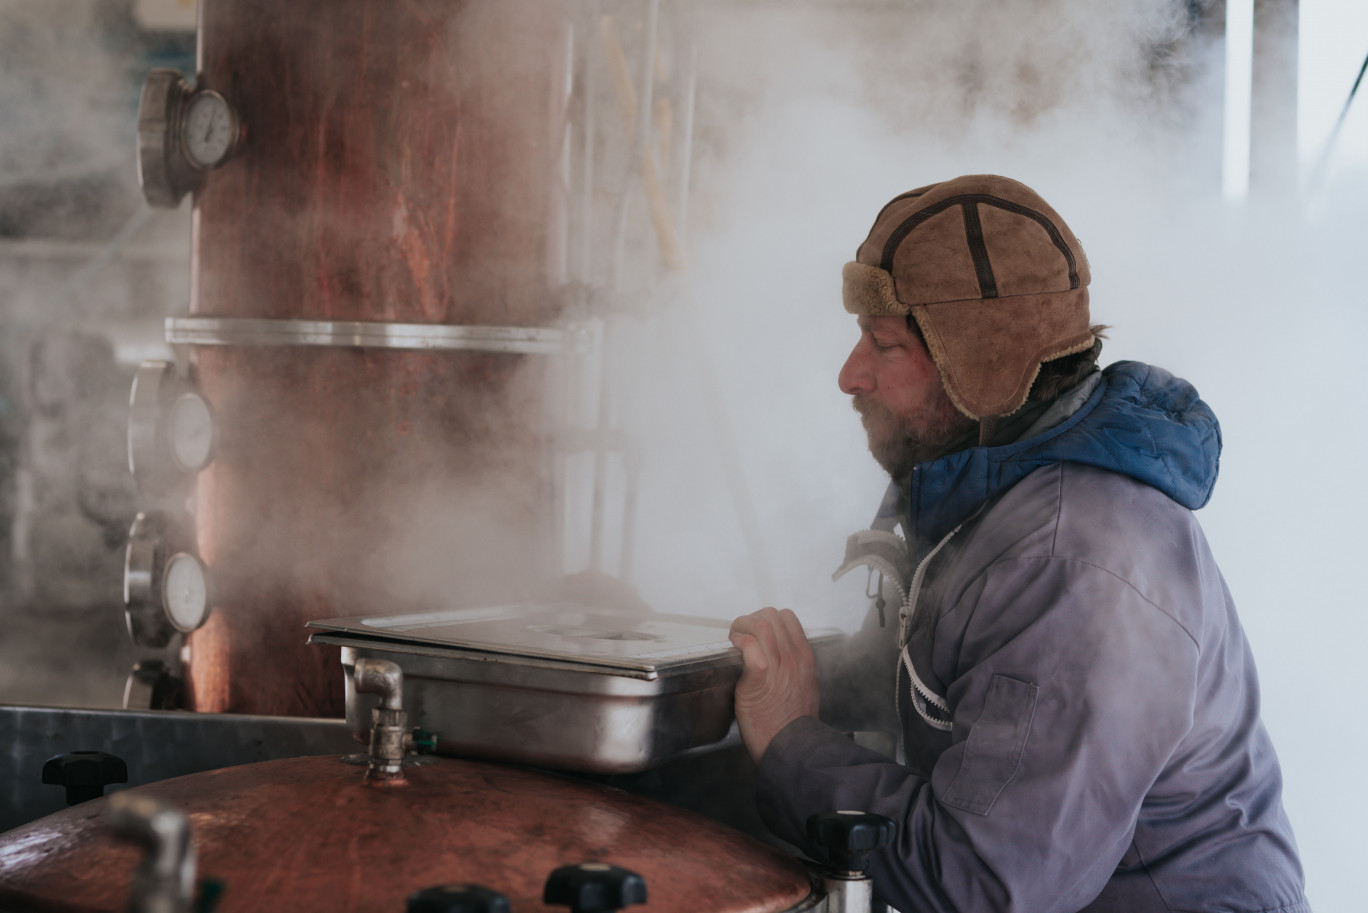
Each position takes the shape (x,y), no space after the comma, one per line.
(257,331)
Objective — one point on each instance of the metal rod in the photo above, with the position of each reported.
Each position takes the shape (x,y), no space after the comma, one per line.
(561,207)
(632,469)
(640,148)
(657,201)
(599,491)
(586,243)
(1323,162)
(640,156)
(683,157)
(1273,101)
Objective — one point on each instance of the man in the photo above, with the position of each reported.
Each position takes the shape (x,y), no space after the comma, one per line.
(1078,702)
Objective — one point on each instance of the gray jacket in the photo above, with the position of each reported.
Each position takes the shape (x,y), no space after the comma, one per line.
(1079,704)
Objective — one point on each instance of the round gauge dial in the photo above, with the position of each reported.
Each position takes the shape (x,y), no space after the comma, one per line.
(209,130)
(190,432)
(185,591)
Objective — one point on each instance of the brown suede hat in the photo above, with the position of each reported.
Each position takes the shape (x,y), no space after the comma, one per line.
(994,278)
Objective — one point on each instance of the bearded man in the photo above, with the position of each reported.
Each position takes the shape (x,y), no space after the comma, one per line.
(1078,703)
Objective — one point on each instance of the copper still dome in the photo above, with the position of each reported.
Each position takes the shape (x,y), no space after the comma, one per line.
(306,834)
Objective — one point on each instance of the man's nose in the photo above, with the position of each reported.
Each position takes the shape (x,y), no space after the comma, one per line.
(855,376)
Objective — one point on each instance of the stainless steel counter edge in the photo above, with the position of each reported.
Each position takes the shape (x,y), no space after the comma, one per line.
(155,744)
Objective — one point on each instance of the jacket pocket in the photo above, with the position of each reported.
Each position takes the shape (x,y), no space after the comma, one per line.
(992,753)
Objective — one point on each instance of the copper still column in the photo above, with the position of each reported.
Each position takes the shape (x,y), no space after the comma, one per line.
(399,166)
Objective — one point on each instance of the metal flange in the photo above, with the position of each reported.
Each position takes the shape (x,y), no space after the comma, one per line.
(164,174)
(257,331)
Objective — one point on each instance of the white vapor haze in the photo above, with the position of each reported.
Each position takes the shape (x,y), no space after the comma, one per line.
(810,116)
(809,123)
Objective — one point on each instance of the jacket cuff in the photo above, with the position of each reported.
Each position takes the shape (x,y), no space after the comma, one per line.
(790,786)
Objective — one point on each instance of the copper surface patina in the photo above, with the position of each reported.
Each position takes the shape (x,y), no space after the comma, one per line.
(305,834)
(398,165)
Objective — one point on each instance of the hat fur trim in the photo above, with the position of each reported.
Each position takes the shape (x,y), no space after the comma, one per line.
(868,290)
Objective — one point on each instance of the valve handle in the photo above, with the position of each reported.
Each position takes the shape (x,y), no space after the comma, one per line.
(457,898)
(594,887)
(85,774)
(850,836)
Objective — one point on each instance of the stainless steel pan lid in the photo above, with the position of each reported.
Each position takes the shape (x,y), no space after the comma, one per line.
(567,632)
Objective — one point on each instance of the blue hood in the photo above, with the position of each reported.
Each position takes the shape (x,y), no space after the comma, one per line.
(1141,421)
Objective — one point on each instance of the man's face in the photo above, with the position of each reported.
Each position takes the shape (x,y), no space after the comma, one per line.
(896,388)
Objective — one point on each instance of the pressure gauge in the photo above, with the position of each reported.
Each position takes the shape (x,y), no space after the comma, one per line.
(190,432)
(185,592)
(210,129)
(182,134)
(171,429)
(166,587)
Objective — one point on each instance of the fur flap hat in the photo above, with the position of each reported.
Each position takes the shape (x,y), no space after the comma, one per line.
(996,281)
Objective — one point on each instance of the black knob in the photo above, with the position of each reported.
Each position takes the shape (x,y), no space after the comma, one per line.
(594,887)
(457,898)
(849,837)
(85,774)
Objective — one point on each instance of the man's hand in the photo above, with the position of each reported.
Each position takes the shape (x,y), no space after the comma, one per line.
(779,680)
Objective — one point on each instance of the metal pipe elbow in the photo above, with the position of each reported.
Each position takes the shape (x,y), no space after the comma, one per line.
(382,677)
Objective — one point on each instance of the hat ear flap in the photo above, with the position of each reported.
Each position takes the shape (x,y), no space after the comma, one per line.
(989,351)
(868,290)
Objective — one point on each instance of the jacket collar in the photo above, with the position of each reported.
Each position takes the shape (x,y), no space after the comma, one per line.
(1138,420)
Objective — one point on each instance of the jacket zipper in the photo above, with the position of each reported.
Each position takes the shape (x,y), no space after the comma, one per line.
(916,687)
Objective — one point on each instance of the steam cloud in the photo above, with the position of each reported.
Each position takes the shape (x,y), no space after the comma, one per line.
(807,123)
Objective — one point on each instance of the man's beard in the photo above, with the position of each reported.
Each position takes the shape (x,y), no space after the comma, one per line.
(900,442)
